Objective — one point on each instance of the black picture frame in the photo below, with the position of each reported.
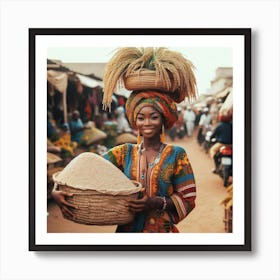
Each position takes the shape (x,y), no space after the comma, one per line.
(35,33)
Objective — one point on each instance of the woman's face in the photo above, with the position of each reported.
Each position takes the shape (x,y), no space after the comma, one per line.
(149,122)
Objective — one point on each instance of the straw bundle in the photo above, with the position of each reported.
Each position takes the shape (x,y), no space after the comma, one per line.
(150,68)
(100,190)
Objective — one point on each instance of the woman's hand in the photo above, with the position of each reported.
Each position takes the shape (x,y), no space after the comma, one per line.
(145,204)
(60,198)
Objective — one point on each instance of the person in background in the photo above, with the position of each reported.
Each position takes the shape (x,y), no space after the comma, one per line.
(178,129)
(52,131)
(76,127)
(189,118)
(110,126)
(197,117)
(180,125)
(204,125)
(64,142)
(223,135)
(123,125)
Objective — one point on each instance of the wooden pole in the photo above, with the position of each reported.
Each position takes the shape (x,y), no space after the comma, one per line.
(65,106)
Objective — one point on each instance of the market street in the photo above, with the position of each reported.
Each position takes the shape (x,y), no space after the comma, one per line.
(207,217)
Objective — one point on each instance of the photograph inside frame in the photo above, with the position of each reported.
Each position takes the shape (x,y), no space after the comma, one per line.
(140,139)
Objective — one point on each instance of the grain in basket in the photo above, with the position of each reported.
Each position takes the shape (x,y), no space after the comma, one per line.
(100,190)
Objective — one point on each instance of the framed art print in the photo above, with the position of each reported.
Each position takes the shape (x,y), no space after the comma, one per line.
(66,68)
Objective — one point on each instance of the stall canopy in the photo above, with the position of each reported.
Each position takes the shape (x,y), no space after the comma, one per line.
(60,81)
(123,92)
(224,93)
(89,82)
(227,106)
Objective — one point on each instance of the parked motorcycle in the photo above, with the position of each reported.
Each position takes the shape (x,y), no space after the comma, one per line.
(225,163)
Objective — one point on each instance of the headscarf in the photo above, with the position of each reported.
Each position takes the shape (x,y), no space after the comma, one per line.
(160,101)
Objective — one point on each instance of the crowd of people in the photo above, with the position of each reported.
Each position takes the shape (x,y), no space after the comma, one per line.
(204,120)
(70,136)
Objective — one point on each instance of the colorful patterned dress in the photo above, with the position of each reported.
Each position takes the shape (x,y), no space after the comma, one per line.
(171,177)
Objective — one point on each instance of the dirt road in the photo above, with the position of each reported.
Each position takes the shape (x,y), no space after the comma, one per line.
(207,217)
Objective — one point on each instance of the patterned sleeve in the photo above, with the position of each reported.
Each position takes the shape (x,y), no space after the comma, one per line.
(184,193)
(116,155)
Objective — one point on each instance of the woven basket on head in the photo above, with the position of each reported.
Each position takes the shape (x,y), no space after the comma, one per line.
(147,79)
(100,190)
(149,68)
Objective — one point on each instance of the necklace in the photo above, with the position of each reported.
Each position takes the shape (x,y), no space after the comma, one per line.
(150,165)
(157,158)
(145,169)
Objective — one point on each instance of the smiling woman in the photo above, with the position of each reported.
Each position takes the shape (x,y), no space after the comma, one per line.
(158,78)
(149,122)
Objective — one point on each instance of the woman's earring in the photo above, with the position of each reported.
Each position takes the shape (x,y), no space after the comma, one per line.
(138,138)
(162,135)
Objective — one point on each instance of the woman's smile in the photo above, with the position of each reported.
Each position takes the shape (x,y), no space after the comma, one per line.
(149,122)
(147,130)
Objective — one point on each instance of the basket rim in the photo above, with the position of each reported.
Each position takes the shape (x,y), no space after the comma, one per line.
(138,187)
(142,72)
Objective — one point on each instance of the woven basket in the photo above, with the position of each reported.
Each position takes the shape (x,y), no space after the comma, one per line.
(95,208)
(52,158)
(146,79)
(92,135)
(126,138)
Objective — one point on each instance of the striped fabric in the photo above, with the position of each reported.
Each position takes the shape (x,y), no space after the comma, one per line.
(172,177)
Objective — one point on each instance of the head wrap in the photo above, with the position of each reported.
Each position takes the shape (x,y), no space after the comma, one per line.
(160,101)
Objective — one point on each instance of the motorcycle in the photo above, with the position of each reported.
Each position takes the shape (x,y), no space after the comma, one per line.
(208,142)
(176,131)
(225,163)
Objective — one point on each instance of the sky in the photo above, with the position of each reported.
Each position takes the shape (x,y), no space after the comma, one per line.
(205,59)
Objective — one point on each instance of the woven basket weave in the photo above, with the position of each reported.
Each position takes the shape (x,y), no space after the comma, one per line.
(126,138)
(95,208)
(146,79)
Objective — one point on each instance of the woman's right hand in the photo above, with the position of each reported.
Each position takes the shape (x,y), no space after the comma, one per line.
(60,198)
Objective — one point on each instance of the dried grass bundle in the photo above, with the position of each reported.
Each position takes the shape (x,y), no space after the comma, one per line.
(115,70)
(173,73)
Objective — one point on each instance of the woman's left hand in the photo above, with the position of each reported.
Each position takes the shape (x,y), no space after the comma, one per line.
(144,204)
